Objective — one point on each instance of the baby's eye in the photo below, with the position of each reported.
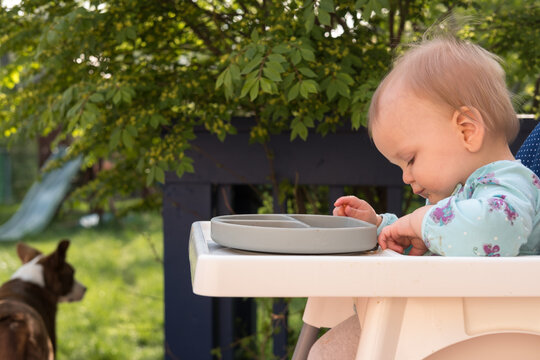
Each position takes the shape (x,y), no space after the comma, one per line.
(411,161)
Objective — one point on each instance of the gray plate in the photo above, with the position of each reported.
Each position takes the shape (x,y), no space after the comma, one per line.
(294,234)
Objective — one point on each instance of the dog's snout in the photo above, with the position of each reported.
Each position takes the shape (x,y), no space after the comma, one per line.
(77,293)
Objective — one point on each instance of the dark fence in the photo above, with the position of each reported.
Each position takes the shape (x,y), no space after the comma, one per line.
(193,324)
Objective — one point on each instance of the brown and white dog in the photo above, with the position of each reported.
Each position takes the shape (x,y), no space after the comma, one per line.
(28,303)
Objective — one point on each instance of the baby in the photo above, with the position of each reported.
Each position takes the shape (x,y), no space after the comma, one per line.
(444,116)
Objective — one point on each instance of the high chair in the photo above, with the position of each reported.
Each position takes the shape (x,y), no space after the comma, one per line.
(409,307)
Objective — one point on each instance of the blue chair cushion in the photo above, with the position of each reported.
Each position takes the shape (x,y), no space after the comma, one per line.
(529,152)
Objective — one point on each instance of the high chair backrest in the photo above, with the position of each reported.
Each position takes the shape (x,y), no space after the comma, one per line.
(529,152)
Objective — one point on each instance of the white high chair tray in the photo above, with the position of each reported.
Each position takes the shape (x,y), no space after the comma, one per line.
(294,234)
(222,271)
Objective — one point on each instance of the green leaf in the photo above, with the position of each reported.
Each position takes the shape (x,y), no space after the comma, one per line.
(359,4)
(247,86)
(346,78)
(280,49)
(304,89)
(332,89)
(120,36)
(275,66)
(256,61)
(220,78)
(309,19)
(150,176)
(307,72)
(343,89)
(127,139)
(157,119)
(188,166)
(272,74)
(254,91)
(287,81)
(117,97)
(298,128)
(356,120)
(74,109)
(67,96)
(277,58)
(131,33)
(307,54)
(324,17)
(114,139)
(180,170)
(310,85)
(254,35)
(228,80)
(296,57)
(110,93)
(159,174)
(127,94)
(327,5)
(86,118)
(252,75)
(343,105)
(307,3)
(132,130)
(235,72)
(96,97)
(52,36)
(293,92)
(308,121)
(266,85)
(92,109)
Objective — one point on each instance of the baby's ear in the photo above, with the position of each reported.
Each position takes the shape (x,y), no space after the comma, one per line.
(471,127)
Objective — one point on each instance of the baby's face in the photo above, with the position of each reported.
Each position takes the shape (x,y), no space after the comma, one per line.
(419,137)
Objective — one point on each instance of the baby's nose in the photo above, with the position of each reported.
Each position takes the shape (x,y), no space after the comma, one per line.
(407,178)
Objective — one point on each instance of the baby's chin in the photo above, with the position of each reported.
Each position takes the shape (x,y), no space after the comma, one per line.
(433,199)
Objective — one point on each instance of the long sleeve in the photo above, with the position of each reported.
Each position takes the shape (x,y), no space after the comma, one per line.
(490,216)
(387,219)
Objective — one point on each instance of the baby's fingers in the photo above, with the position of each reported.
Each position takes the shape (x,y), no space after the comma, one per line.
(387,241)
(339,211)
(355,213)
(389,244)
(348,200)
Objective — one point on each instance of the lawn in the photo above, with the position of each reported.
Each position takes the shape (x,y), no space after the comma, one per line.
(121,316)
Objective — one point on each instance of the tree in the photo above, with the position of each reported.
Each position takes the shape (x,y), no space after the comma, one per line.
(129,81)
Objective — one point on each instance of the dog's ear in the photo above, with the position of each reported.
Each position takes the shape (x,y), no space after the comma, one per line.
(26,253)
(59,256)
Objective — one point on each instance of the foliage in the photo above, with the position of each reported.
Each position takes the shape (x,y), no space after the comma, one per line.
(129,81)
(121,315)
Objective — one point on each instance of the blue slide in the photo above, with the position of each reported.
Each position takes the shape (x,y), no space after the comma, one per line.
(41,201)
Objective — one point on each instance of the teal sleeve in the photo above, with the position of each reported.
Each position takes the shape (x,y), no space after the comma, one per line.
(387,219)
(497,222)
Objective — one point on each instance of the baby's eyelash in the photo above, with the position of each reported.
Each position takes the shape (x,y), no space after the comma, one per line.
(411,161)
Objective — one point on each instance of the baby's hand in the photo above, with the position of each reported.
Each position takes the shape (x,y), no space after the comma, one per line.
(400,235)
(354,207)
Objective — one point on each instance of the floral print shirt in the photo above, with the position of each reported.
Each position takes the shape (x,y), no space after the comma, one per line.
(495,213)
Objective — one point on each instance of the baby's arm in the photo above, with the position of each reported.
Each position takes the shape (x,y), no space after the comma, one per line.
(404,232)
(354,207)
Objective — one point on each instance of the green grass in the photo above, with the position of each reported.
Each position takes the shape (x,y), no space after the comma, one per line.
(121,316)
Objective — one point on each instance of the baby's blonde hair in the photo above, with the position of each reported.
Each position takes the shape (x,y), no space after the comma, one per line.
(456,73)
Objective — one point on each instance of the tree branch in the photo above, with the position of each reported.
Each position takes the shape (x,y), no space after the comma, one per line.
(202,34)
(403,15)
(536,94)
(391,15)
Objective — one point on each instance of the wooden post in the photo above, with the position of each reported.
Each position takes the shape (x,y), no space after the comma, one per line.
(188,317)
